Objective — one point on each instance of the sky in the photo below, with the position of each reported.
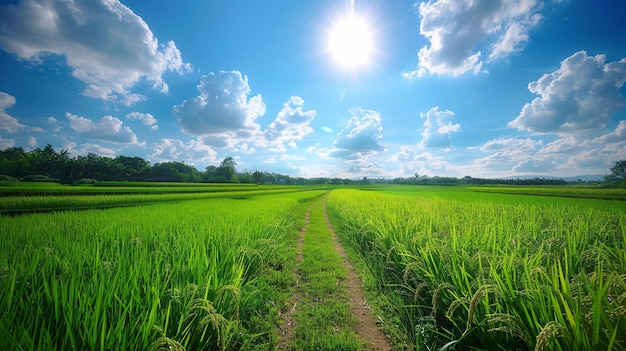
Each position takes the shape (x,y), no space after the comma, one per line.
(321,88)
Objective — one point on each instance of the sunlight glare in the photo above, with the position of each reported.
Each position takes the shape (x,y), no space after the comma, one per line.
(350,41)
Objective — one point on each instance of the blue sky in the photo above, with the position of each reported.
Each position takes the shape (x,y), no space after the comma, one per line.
(487,88)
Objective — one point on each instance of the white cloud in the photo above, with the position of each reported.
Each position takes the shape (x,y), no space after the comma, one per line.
(459,29)
(412,161)
(359,138)
(438,127)
(130,99)
(367,169)
(32,141)
(7,122)
(509,154)
(244,148)
(88,148)
(291,124)
(108,47)
(566,156)
(510,147)
(167,149)
(617,136)
(108,128)
(145,118)
(6,143)
(222,114)
(54,124)
(576,99)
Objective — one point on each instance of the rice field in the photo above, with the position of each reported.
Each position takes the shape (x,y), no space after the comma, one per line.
(453,268)
(199,274)
(470,271)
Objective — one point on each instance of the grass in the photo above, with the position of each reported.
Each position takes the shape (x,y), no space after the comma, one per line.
(573,192)
(200,274)
(42,203)
(323,317)
(455,269)
(127,188)
(513,274)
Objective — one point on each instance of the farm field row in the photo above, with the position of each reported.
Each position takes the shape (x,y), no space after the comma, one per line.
(461,270)
(575,192)
(128,188)
(41,203)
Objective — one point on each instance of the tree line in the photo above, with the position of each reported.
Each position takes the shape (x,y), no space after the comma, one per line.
(48,164)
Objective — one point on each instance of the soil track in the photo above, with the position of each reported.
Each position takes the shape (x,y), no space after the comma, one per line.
(367,329)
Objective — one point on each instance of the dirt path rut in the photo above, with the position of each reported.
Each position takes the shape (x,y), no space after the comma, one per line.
(367,328)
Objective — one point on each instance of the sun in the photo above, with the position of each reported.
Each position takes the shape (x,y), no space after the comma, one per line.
(350,41)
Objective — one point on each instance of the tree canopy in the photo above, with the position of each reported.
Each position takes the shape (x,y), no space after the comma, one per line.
(618,174)
(48,164)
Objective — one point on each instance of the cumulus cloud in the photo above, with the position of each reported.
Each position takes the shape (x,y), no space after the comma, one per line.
(568,155)
(510,147)
(438,127)
(368,168)
(223,110)
(413,161)
(167,149)
(108,128)
(617,136)
(145,118)
(359,138)
(577,98)
(244,148)
(54,124)
(7,122)
(6,143)
(88,148)
(107,46)
(291,124)
(458,31)
(512,155)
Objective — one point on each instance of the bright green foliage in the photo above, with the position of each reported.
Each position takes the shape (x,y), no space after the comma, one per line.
(27,204)
(194,275)
(323,317)
(498,272)
(575,192)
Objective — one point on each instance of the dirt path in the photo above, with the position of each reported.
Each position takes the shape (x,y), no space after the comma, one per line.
(367,320)
(368,329)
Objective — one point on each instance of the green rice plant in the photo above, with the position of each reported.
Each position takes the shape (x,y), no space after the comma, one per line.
(494,272)
(162,276)
(575,192)
(42,203)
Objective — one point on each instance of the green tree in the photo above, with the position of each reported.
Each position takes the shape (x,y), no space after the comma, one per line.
(133,168)
(210,174)
(618,174)
(258,176)
(226,172)
(175,172)
(14,162)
